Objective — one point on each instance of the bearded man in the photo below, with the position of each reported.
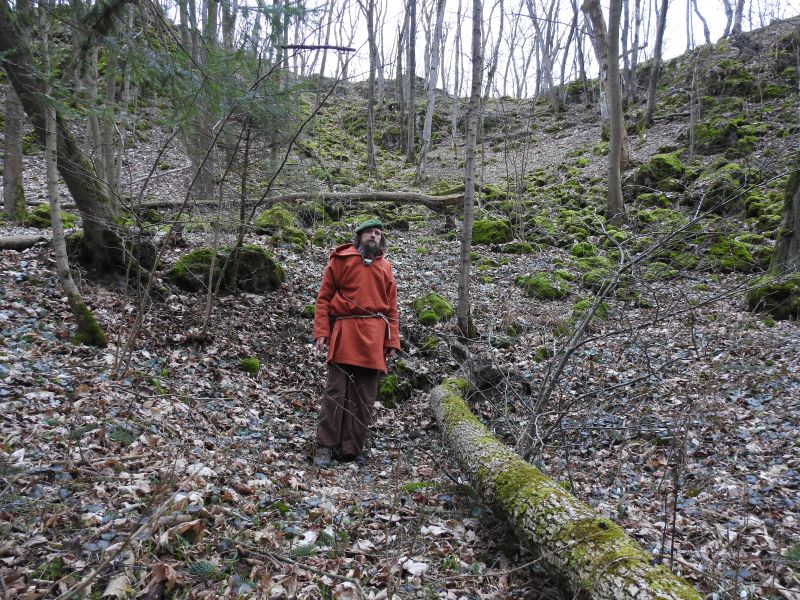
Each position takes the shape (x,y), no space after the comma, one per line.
(356,317)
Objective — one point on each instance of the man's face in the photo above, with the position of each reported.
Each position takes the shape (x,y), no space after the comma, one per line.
(370,238)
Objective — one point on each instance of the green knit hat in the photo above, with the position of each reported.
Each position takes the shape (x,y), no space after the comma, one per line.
(369,225)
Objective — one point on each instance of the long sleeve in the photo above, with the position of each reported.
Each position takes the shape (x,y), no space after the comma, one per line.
(394,318)
(322,322)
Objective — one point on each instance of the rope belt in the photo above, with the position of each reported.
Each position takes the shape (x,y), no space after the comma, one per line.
(370,316)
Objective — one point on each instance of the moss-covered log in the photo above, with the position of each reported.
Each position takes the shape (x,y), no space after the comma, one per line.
(590,553)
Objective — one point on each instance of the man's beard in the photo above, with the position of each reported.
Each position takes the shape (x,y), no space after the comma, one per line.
(370,250)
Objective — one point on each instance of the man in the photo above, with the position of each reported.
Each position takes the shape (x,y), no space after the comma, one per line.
(356,317)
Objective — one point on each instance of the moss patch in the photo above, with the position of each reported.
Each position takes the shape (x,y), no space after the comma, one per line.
(39,217)
(250,365)
(541,285)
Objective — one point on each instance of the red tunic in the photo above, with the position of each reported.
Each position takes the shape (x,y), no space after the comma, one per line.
(351,288)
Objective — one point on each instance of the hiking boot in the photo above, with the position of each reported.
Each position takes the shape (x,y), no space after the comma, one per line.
(322,456)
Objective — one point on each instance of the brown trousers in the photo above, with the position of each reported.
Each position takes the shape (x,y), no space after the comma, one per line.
(346,412)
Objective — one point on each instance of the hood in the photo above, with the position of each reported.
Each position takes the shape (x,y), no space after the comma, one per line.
(348,250)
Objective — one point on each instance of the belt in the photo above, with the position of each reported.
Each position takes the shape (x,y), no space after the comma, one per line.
(377,315)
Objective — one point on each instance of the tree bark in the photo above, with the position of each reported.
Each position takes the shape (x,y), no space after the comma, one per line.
(98,212)
(786,258)
(463,312)
(706,32)
(655,71)
(433,77)
(591,554)
(369,11)
(411,68)
(606,44)
(13,191)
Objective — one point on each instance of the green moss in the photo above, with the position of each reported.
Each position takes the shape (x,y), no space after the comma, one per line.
(727,254)
(275,218)
(89,331)
(257,271)
(389,391)
(39,217)
(542,354)
(491,231)
(543,286)
(584,304)
(657,271)
(595,270)
(780,299)
(432,308)
(250,365)
(308,312)
(295,238)
(660,168)
(517,248)
(583,249)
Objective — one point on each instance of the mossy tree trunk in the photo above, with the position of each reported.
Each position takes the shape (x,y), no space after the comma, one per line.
(99,213)
(786,258)
(89,331)
(589,553)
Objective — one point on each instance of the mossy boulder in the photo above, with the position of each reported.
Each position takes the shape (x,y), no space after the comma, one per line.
(660,172)
(780,299)
(729,77)
(256,272)
(722,190)
(292,237)
(275,218)
(39,217)
(491,231)
(583,249)
(432,308)
(595,271)
(543,286)
(516,248)
(308,311)
(728,254)
(658,270)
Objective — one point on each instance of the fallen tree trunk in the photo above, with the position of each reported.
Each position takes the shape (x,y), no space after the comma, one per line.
(20,242)
(435,203)
(590,553)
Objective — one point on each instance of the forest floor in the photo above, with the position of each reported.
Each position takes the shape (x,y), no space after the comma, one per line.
(211,467)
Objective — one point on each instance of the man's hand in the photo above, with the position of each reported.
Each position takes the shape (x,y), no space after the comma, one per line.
(390,352)
(320,343)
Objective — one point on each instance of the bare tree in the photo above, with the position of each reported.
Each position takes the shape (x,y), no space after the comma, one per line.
(655,70)
(463,313)
(88,331)
(606,44)
(369,12)
(545,28)
(433,77)
(706,32)
(411,86)
(494,58)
